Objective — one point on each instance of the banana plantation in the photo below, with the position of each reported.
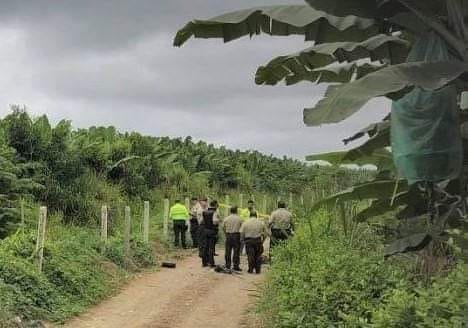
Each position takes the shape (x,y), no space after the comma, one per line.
(376,247)
(415,54)
(73,172)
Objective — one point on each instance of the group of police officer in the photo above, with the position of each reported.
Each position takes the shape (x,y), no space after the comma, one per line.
(243,228)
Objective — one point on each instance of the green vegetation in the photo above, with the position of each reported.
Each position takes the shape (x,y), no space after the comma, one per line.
(413,53)
(75,273)
(75,172)
(326,278)
(322,279)
(369,49)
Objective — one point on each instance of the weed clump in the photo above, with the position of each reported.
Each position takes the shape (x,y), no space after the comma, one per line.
(75,274)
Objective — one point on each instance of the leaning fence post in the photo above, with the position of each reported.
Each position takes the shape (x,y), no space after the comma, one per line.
(103,227)
(41,230)
(127,227)
(146,222)
(166,218)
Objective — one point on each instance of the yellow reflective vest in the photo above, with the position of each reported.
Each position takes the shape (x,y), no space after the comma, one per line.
(244,213)
(178,212)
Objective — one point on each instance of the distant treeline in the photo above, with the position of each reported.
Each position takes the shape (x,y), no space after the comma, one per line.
(70,169)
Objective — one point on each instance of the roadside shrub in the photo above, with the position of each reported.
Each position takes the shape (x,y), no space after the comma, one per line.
(142,253)
(24,290)
(114,251)
(75,274)
(321,280)
(74,266)
(443,304)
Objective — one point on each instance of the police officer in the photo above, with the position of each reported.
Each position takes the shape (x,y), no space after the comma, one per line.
(280,223)
(244,214)
(217,220)
(194,212)
(179,215)
(253,232)
(203,201)
(231,227)
(208,231)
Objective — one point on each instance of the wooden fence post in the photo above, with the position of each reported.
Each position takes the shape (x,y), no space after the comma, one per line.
(187,203)
(103,227)
(264,204)
(41,231)
(146,211)
(301,199)
(166,218)
(241,200)
(127,228)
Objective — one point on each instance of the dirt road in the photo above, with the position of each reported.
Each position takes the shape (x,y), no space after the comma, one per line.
(185,297)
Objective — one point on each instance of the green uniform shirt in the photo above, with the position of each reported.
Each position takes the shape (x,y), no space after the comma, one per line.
(178,212)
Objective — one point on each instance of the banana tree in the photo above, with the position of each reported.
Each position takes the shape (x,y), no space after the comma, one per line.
(414,52)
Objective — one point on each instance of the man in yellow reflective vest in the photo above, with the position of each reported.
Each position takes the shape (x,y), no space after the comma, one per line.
(244,213)
(179,216)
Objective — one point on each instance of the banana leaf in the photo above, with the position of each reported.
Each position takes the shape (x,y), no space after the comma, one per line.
(381,158)
(370,190)
(408,244)
(282,20)
(334,73)
(341,101)
(300,66)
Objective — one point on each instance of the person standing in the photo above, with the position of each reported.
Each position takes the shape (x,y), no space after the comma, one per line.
(253,232)
(244,214)
(208,232)
(280,223)
(217,220)
(231,227)
(179,216)
(251,206)
(194,210)
(203,207)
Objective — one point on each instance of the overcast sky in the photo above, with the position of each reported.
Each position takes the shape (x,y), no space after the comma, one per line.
(111,62)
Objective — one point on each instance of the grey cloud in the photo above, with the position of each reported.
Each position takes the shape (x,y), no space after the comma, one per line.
(112,63)
(67,26)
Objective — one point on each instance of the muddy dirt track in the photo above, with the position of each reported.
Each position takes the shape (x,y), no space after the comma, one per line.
(186,297)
